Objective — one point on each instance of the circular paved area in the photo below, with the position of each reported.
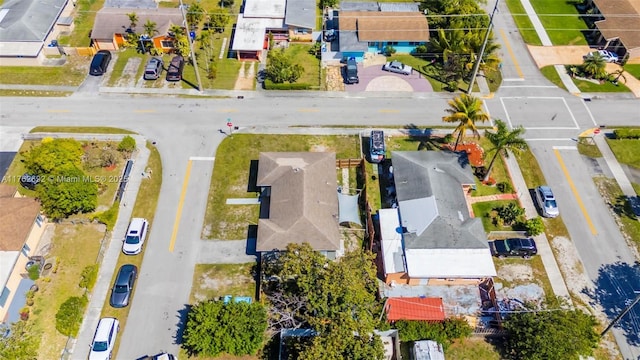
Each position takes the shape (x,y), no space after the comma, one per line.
(373,78)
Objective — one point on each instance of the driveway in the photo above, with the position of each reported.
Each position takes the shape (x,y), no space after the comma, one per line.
(373,78)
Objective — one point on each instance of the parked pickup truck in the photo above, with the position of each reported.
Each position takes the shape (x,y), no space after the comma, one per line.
(525,247)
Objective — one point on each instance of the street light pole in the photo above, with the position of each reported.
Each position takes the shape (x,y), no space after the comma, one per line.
(476,66)
(623,313)
(190,42)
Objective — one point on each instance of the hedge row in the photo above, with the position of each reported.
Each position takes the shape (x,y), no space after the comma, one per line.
(627,133)
(270,85)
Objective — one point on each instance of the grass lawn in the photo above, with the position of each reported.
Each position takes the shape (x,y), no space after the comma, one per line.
(562,29)
(588,149)
(300,55)
(145,207)
(473,348)
(216,280)
(588,86)
(430,71)
(85,14)
(611,192)
(123,56)
(76,246)
(525,27)
(627,151)
(80,130)
(633,69)
(484,211)
(231,176)
(72,73)
(552,75)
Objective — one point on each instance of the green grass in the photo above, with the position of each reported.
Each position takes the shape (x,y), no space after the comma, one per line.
(216,280)
(633,69)
(83,23)
(562,29)
(473,348)
(525,27)
(431,72)
(145,207)
(552,75)
(72,73)
(627,151)
(484,211)
(610,190)
(589,87)
(231,175)
(117,74)
(76,246)
(80,130)
(588,149)
(299,53)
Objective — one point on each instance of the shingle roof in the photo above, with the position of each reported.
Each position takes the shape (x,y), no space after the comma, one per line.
(17,216)
(29,20)
(385,26)
(7,191)
(110,21)
(301,13)
(303,203)
(425,309)
(622,20)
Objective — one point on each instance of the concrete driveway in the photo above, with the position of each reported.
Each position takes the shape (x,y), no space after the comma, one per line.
(373,78)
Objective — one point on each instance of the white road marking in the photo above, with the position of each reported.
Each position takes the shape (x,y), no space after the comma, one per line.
(202,158)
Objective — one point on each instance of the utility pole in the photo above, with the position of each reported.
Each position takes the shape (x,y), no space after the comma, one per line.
(623,313)
(476,66)
(190,41)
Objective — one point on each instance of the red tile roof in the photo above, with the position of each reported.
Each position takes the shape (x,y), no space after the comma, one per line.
(427,309)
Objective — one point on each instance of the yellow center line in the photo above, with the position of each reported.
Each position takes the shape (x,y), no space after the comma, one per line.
(180,206)
(388,111)
(144,111)
(58,111)
(575,192)
(227,110)
(510,50)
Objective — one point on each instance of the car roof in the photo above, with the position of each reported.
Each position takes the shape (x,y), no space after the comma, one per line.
(104,327)
(123,273)
(545,190)
(136,223)
(525,242)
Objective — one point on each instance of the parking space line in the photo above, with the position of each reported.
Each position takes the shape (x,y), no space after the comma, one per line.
(176,223)
(575,192)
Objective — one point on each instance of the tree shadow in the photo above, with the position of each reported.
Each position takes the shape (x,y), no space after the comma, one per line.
(424,137)
(182,322)
(613,291)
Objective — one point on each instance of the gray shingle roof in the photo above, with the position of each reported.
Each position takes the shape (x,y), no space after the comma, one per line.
(301,13)
(303,200)
(110,21)
(29,20)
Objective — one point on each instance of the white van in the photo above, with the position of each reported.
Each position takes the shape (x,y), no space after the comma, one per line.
(136,233)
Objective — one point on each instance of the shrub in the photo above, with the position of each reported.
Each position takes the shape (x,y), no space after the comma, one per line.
(127,144)
(444,333)
(510,213)
(34,272)
(505,187)
(109,157)
(627,133)
(534,226)
(109,217)
(389,50)
(88,277)
(69,315)
(270,85)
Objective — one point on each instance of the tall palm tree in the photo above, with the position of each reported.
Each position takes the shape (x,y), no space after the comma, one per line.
(465,110)
(133,20)
(150,28)
(504,139)
(594,65)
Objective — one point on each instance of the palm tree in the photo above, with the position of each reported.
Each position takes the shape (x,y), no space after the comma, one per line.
(594,65)
(133,19)
(195,13)
(150,28)
(503,140)
(465,110)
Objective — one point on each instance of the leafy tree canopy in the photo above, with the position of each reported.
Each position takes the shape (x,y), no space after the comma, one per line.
(52,154)
(214,328)
(20,344)
(280,67)
(550,335)
(67,191)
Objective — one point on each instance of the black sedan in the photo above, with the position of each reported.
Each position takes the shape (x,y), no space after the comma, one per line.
(123,286)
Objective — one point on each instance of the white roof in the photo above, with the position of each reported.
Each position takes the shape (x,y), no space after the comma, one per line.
(21,48)
(427,350)
(391,239)
(265,8)
(418,214)
(7,262)
(449,263)
(250,32)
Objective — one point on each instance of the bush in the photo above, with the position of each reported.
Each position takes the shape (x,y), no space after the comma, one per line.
(69,316)
(88,277)
(108,217)
(510,213)
(534,226)
(505,187)
(127,144)
(389,50)
(270,85)
(34,272)
(627,133)
(444,333)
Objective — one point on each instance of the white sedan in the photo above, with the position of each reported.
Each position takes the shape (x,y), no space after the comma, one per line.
(397,67)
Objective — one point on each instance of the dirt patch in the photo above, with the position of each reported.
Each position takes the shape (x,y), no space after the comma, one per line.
(333,78)
(515,272)
(128,78)
(217,280)
(246,77)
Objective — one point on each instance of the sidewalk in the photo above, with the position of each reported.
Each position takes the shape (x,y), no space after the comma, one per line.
(80,349)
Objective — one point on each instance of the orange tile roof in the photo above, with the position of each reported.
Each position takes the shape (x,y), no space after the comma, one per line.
(415,308)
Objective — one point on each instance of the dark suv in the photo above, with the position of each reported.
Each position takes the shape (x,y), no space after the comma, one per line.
(525,247)
(174,71)
(351,73)
(100,63)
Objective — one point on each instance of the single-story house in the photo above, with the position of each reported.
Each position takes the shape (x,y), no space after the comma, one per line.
(300,19)
(25,26)
(299,194)
(253,26)
(432,239)
(399,25)
(21,226)
(414,308)
(620,28)
(112,24)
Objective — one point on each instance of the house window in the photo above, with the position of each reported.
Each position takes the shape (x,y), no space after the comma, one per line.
(39,220)
(414,43)
(25,249)
(392,43)
(301,31)
(372,44)
(167,43)
(4,296)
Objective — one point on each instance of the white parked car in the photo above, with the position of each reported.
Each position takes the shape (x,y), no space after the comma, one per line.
(397,67)
(104,339)
(608,56)
(136,233)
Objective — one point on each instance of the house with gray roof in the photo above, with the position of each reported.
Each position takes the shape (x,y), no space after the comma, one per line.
(433,239)
(25,26)
(299,194)
(300,19)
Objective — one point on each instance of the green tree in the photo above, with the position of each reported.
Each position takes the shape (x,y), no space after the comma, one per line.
(53,154)
(127,144)
(443,332)
(510,213)
(328,3)
(21,342)
(67,191)
(340,343)
(226,3)
(150,29)
(465,110)
(69,315)
(280,67)
(195,14)
(133,21)
(213,328)
(503,141)
(534,227)
(550,335)
(594,65)
(217,19)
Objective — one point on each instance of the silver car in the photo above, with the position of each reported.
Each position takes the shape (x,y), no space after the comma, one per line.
(397,67)
(547,202)
(153,69)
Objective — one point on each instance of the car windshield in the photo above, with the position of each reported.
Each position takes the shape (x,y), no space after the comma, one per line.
(120,289)
(132,239)
(551,204)
(100,346)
